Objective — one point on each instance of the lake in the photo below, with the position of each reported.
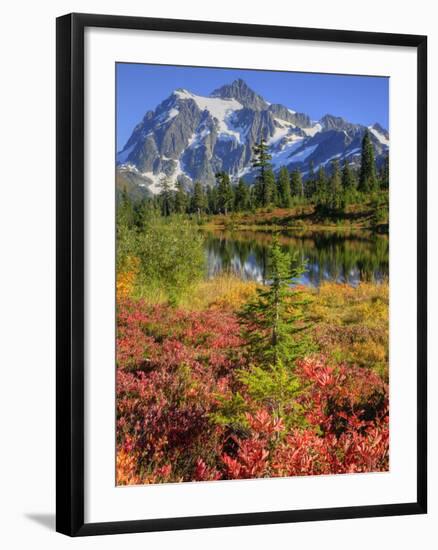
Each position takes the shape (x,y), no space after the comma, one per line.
(348,258)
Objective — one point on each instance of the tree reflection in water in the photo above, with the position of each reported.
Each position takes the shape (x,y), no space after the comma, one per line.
(348,258)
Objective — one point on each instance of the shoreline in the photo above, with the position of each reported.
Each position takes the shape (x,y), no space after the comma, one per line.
(305,219)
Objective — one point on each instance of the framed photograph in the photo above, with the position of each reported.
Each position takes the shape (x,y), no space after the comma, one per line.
(241,274)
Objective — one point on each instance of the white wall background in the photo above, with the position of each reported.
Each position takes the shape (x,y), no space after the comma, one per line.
(27,285)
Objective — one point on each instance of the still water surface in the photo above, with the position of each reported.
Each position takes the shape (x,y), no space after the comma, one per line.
(329,256)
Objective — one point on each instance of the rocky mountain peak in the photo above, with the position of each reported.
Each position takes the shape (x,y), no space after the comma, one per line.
(331,122)
(240,91)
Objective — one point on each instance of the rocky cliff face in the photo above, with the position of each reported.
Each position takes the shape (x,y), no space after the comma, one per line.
(190,138)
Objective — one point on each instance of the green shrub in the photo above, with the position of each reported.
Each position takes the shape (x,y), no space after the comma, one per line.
(170,252)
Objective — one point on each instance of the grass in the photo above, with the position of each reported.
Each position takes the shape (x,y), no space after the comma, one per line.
(225,291)
(351,324)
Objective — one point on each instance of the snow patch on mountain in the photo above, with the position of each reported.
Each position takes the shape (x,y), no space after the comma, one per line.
(179,171)
(236,129)
(182,93)
(197,137)
(313,129)
(155,186)
(282,129)
(333,157)
(167,116)
(352,152)
(153,181)
(220,109)
(284,156)
(301,156)
(243,171)
(383,140)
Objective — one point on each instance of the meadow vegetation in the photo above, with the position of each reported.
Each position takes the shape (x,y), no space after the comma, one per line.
(221,378)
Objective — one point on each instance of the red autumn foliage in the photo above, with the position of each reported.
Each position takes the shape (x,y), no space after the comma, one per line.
(172,368)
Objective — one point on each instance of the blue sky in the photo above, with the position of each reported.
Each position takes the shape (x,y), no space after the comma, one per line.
(359,99)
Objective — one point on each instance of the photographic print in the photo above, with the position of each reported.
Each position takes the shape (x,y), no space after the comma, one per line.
(252,274)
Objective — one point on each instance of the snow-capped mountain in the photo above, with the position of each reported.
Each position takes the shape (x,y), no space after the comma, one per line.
(190,138)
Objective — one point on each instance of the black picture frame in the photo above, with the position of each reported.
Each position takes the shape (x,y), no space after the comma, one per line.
(70,273)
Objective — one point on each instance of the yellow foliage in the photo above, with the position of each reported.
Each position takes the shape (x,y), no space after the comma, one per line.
(352,324)
(366,304)
(125,280)
(222,292)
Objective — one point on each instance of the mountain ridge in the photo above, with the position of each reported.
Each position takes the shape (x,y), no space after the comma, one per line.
(190,138)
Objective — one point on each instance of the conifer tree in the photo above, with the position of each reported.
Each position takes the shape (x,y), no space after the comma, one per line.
(273,321)
(274,387)
(321,194)
(270,195)
(146,209)
(284,196)
(310,186)
(367,176)
(225,195)
(166,196)
(348,183)
(199,201)
(141,210)
(261,161)
(125,210)
(241,196)
(212,202)
(384,173)
(181,199)
(296,184)
(336,195)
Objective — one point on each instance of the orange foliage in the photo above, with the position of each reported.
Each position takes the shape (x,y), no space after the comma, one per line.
(126,279)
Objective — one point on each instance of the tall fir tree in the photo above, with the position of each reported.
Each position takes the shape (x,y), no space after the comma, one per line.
(367,176)
(284,196)
(321,189)
(310,185)
(142,211)
(199,200)
(296,184)
(384,173)
(225,194)
(212,201)
(241,196)
(336,193)
(181,199)
(166,197)
(261,161)
(270,188)
(348,180)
